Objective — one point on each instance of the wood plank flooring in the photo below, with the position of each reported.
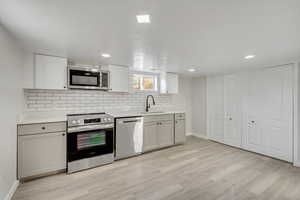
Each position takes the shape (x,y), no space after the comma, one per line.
(201,169)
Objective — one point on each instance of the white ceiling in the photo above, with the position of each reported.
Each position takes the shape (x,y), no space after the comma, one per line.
(212,36)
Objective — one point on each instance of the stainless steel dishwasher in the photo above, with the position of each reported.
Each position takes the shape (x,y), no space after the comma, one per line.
(129,137)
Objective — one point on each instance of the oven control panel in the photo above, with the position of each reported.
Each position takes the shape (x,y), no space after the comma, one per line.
(89,119)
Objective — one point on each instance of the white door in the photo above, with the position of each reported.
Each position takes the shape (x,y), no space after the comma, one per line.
(232,110)
(215,108)
(269,112)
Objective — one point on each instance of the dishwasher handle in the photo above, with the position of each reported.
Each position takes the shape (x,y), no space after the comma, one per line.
(133,120)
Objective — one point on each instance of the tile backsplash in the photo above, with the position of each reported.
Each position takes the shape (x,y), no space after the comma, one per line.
(72,101)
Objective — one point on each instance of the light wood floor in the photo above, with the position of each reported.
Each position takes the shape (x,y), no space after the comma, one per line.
(200,169)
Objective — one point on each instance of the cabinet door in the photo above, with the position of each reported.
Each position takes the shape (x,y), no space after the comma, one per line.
(50,72)
(119,78)
(179,131)
(165,133)
(232,110)
(169,83)
(41,153)
(172,83)
(215,108)
(150,136)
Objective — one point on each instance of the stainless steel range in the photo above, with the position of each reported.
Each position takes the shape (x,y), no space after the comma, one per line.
(90,140)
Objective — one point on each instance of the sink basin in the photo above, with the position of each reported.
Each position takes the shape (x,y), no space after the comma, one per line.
(153,112)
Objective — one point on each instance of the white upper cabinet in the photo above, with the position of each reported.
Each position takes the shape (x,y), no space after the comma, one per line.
(119,78)
(50,72)
(169,83)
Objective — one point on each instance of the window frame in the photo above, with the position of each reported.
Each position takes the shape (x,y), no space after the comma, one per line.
(141,81)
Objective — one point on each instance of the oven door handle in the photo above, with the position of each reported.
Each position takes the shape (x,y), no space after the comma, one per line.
(89,128)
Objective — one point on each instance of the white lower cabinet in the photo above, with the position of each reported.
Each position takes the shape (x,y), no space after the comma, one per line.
(150,136)
(41,153)
(165,134)
(158,132)
(253,110)
(179,128)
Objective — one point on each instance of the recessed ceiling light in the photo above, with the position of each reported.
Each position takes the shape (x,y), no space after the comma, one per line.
(143,19)
(249,57)
(106,55)
(191,70)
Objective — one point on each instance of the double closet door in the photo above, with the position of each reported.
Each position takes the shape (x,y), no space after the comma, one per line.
(253,111)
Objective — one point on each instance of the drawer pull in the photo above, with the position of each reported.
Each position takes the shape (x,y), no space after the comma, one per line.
(43,127)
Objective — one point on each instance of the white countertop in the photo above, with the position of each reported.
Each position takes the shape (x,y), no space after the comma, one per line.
(41,120)
(130,113)
(35,118)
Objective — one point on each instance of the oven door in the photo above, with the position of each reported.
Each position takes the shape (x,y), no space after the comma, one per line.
(86,79)
(90,143)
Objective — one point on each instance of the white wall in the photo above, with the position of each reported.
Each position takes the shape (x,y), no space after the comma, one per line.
(199,106)
(10,106)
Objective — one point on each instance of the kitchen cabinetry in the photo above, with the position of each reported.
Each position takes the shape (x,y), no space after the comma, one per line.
(253,110)
(119,78)
(179,128)
(41,152)
(150,136)
(158,132)
(169,83)
(50,72)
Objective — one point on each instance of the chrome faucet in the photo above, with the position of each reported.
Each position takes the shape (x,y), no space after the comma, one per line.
(147,102)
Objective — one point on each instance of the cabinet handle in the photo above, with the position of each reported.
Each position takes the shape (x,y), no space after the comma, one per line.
(230,118)
(43,127)
(63,134)
(252,122)
(65,87)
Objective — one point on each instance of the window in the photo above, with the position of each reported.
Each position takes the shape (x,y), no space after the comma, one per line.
(144,82)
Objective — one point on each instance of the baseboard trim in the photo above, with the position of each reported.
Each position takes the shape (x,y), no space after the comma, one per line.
(189,134)
(12,190)
(199,136)
(296,163)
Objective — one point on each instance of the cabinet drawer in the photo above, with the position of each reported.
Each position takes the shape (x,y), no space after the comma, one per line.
(154,118)
(179,116)
(41,128)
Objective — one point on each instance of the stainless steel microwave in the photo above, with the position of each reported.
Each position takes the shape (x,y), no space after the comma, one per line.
(88,77)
